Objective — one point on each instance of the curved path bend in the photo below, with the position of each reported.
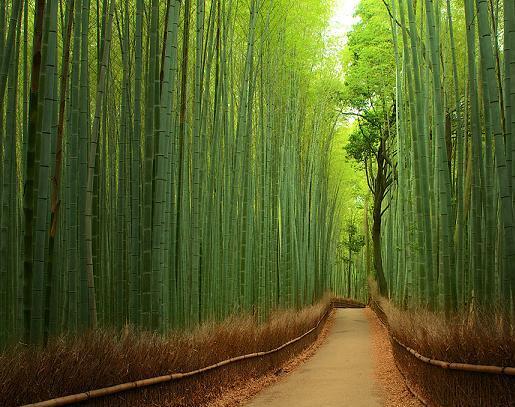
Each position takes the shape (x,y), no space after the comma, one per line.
(340,373)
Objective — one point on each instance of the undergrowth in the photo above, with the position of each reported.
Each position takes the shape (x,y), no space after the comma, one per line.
(480,337)
(102,358)
(470,336)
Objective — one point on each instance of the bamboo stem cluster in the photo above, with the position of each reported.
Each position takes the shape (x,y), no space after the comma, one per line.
(172,171)
(452,212)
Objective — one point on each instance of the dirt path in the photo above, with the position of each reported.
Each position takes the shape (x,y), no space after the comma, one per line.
(341,373)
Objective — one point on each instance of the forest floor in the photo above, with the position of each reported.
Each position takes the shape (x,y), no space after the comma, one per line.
(352,366)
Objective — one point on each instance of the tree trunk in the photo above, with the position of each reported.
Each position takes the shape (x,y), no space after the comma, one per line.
(376,243)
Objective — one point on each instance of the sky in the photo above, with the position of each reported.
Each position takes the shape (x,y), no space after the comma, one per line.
(342,19)
(340,23)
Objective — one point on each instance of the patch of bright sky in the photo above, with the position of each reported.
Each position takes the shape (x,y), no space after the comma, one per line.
(340,23)
(342,19)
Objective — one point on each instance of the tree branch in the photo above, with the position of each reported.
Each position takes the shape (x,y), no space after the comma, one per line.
(368,178)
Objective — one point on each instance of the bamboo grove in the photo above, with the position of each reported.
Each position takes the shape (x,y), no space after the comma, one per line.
(449,231)
(163,163)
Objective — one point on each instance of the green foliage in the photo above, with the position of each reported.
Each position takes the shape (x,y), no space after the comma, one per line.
(368,95)
(369,81)
(346,178)
(368,60)
(363,142)
(354,242)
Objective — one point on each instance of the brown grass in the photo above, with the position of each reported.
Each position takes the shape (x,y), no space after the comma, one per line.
(105,358)
(241,393)
(471,337)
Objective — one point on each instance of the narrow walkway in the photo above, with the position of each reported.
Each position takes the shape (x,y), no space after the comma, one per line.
(339,374)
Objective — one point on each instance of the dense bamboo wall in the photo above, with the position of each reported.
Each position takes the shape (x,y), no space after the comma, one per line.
(163,163)
(451,220)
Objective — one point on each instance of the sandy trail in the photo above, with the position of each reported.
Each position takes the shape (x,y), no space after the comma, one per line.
(341,373)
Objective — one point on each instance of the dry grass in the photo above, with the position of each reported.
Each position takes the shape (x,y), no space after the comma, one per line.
(105,358)
(478,339)
(472,337)
(240,394)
